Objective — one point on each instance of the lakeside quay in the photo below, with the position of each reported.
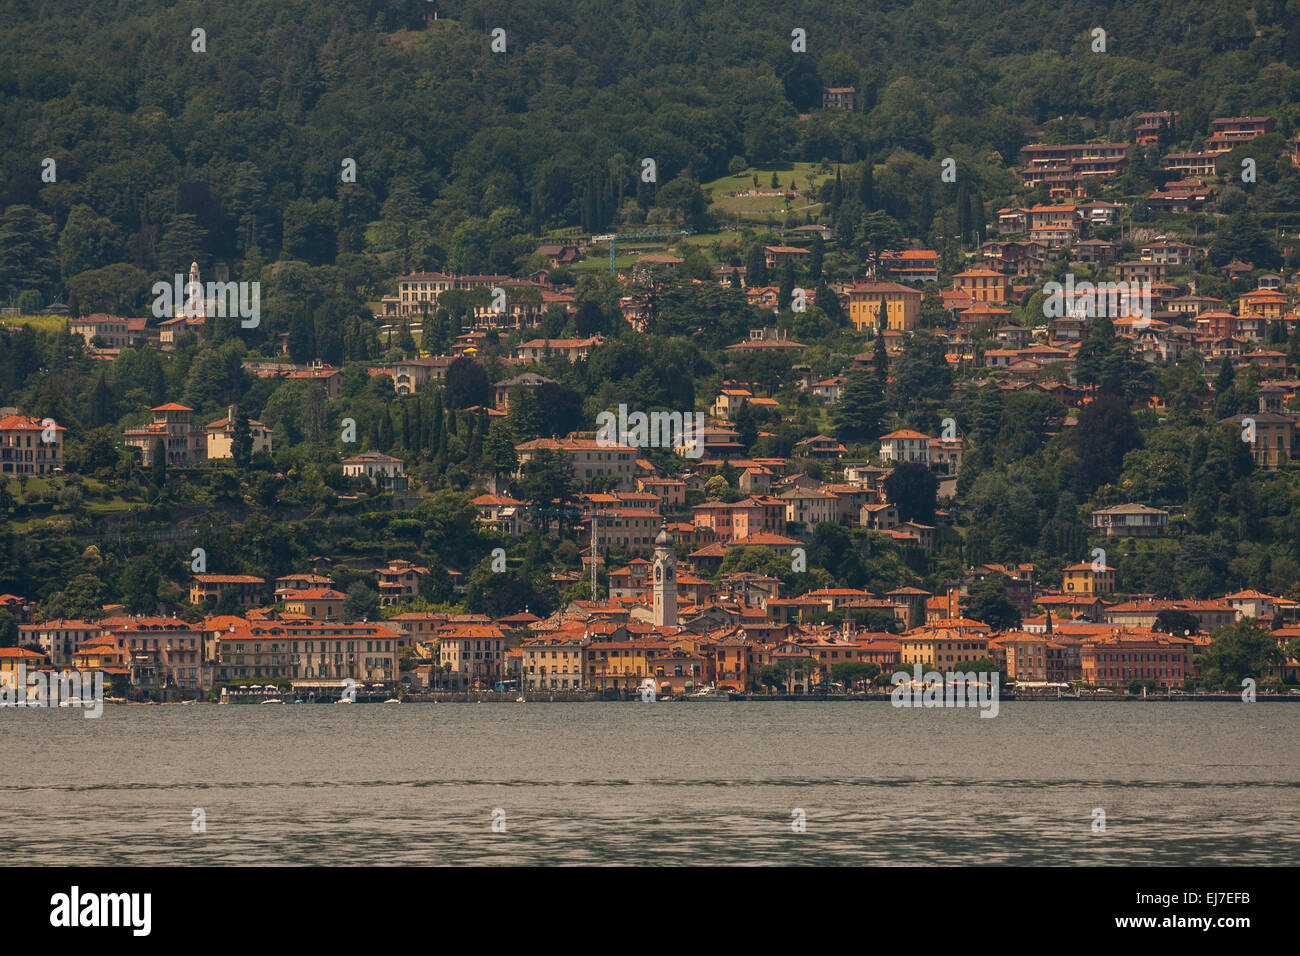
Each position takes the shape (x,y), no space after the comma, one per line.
(490,697)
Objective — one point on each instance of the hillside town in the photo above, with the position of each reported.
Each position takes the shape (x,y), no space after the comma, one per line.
(685,566)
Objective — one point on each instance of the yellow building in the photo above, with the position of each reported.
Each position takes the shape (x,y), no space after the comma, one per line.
(621,665)
(900,306)
(319,604)
(553,662)
(1269,303)
(1272,437)
(30,446)
(12,657)
(210,587)
(982,285)
(943,647)
(1084,579)
(221,436)
(102,653)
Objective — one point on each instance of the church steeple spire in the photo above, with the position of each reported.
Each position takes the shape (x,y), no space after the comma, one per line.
(194,308)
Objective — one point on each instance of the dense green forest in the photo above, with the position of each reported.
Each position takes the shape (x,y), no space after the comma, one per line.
(462,155)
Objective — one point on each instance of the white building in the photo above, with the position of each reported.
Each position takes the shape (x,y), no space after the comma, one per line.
(385,472)
(905,445)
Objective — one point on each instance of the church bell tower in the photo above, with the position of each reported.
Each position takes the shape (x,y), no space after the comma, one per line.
(665,579)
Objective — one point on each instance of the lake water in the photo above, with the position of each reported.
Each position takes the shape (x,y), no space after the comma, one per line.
(653,783)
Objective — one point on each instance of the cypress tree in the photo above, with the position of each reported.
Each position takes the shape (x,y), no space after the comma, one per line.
(101,402)
(756,267)
(417,427)
(879,357)
(435,423)
(963,214)
(1225,379)
(829,303)
(242,446)
(786,292)
(158,463)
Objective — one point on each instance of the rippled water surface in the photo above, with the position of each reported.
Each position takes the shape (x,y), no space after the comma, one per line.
(665,783)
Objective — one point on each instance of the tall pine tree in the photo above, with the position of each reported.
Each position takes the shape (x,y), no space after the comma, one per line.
(866,185)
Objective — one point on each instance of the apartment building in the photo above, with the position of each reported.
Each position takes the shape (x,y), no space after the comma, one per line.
(398,581)
(310,651)
(588,458)
(905,445)
(982,285)
(1124,655)
(809,507)
(109,331)
(943,647)
(1271,436)
(58,639)
(877,306)
(471,655)
(30,446)
(1064,169)
(553,662)
(162,652)
(1085,579)
(1229,131)
(911,265)
(247,588)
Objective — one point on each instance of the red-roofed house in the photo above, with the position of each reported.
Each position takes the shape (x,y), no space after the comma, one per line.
(320,604)
(172,425)
(30,446)
(982,285)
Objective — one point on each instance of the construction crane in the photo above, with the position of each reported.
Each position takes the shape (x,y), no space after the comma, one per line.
(612,239)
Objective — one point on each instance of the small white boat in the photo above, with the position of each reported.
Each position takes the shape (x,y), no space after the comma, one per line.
(273,702)
(709,693)
(343,700)
(392,700)
(520,700)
